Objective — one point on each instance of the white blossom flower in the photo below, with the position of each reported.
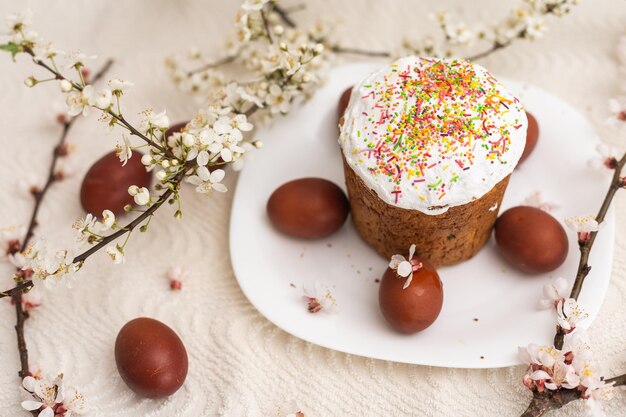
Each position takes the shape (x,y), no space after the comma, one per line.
(583,225)
(405,267)
(319,298)
(47,267)
(16,22)
(30,184)
(116,254)
(535,27)
(140,195)
(240,122)
(77,59)
(553,292)
(32,299)
(278,100)
(617,107)
(28,37)
(538,355)
(101,99)
(118,87)
(248,95)
(78,101)
(206,181)
(152,120)
(108,219)
(84,227)
(604,159)
(253,5)
(124,150)
(45,395)
(569,368)
(536,200)
(45,51)
(240,161)
(569,313)
(593,402)
(459,34)
(51,397)
(177,275)
(11,240)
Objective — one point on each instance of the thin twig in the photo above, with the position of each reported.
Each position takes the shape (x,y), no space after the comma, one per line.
(619,380)
(267,27)
(585,247)
(129,227)
(284,15)
(224,61)
(357,51)
(16,293)
(489,51)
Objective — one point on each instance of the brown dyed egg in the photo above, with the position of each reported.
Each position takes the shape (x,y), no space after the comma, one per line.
(105,185)
(411,309)
(532,134)
(344,100)
(150,358)
(308,208)
(531,240)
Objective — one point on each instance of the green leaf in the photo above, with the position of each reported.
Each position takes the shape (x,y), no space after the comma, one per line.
(13,48)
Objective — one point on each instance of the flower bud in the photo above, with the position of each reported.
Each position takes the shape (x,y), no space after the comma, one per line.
(30,81)
(133,190)
(66,86)
(146,159)
(161,175)
(279,30)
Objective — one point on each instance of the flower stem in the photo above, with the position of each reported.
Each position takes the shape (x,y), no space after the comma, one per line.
(357,51)
(224,61)
(585,248)
(284,15)
(618,380)
(16,293)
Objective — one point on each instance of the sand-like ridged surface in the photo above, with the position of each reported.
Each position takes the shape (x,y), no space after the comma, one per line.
(241,364)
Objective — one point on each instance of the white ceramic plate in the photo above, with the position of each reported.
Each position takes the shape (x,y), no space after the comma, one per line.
(489,308)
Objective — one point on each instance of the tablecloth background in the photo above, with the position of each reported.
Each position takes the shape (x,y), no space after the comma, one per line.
(240,363)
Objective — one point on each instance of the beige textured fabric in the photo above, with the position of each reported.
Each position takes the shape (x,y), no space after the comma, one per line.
(241,364)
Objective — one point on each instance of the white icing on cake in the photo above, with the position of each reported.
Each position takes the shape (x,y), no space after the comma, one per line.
(428,134)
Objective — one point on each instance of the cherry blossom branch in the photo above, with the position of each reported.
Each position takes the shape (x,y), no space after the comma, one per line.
(81,258)
(16,293)
(130,226)
(586,245)
(119,117)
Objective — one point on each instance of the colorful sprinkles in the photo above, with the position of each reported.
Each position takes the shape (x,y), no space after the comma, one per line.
(427,117)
